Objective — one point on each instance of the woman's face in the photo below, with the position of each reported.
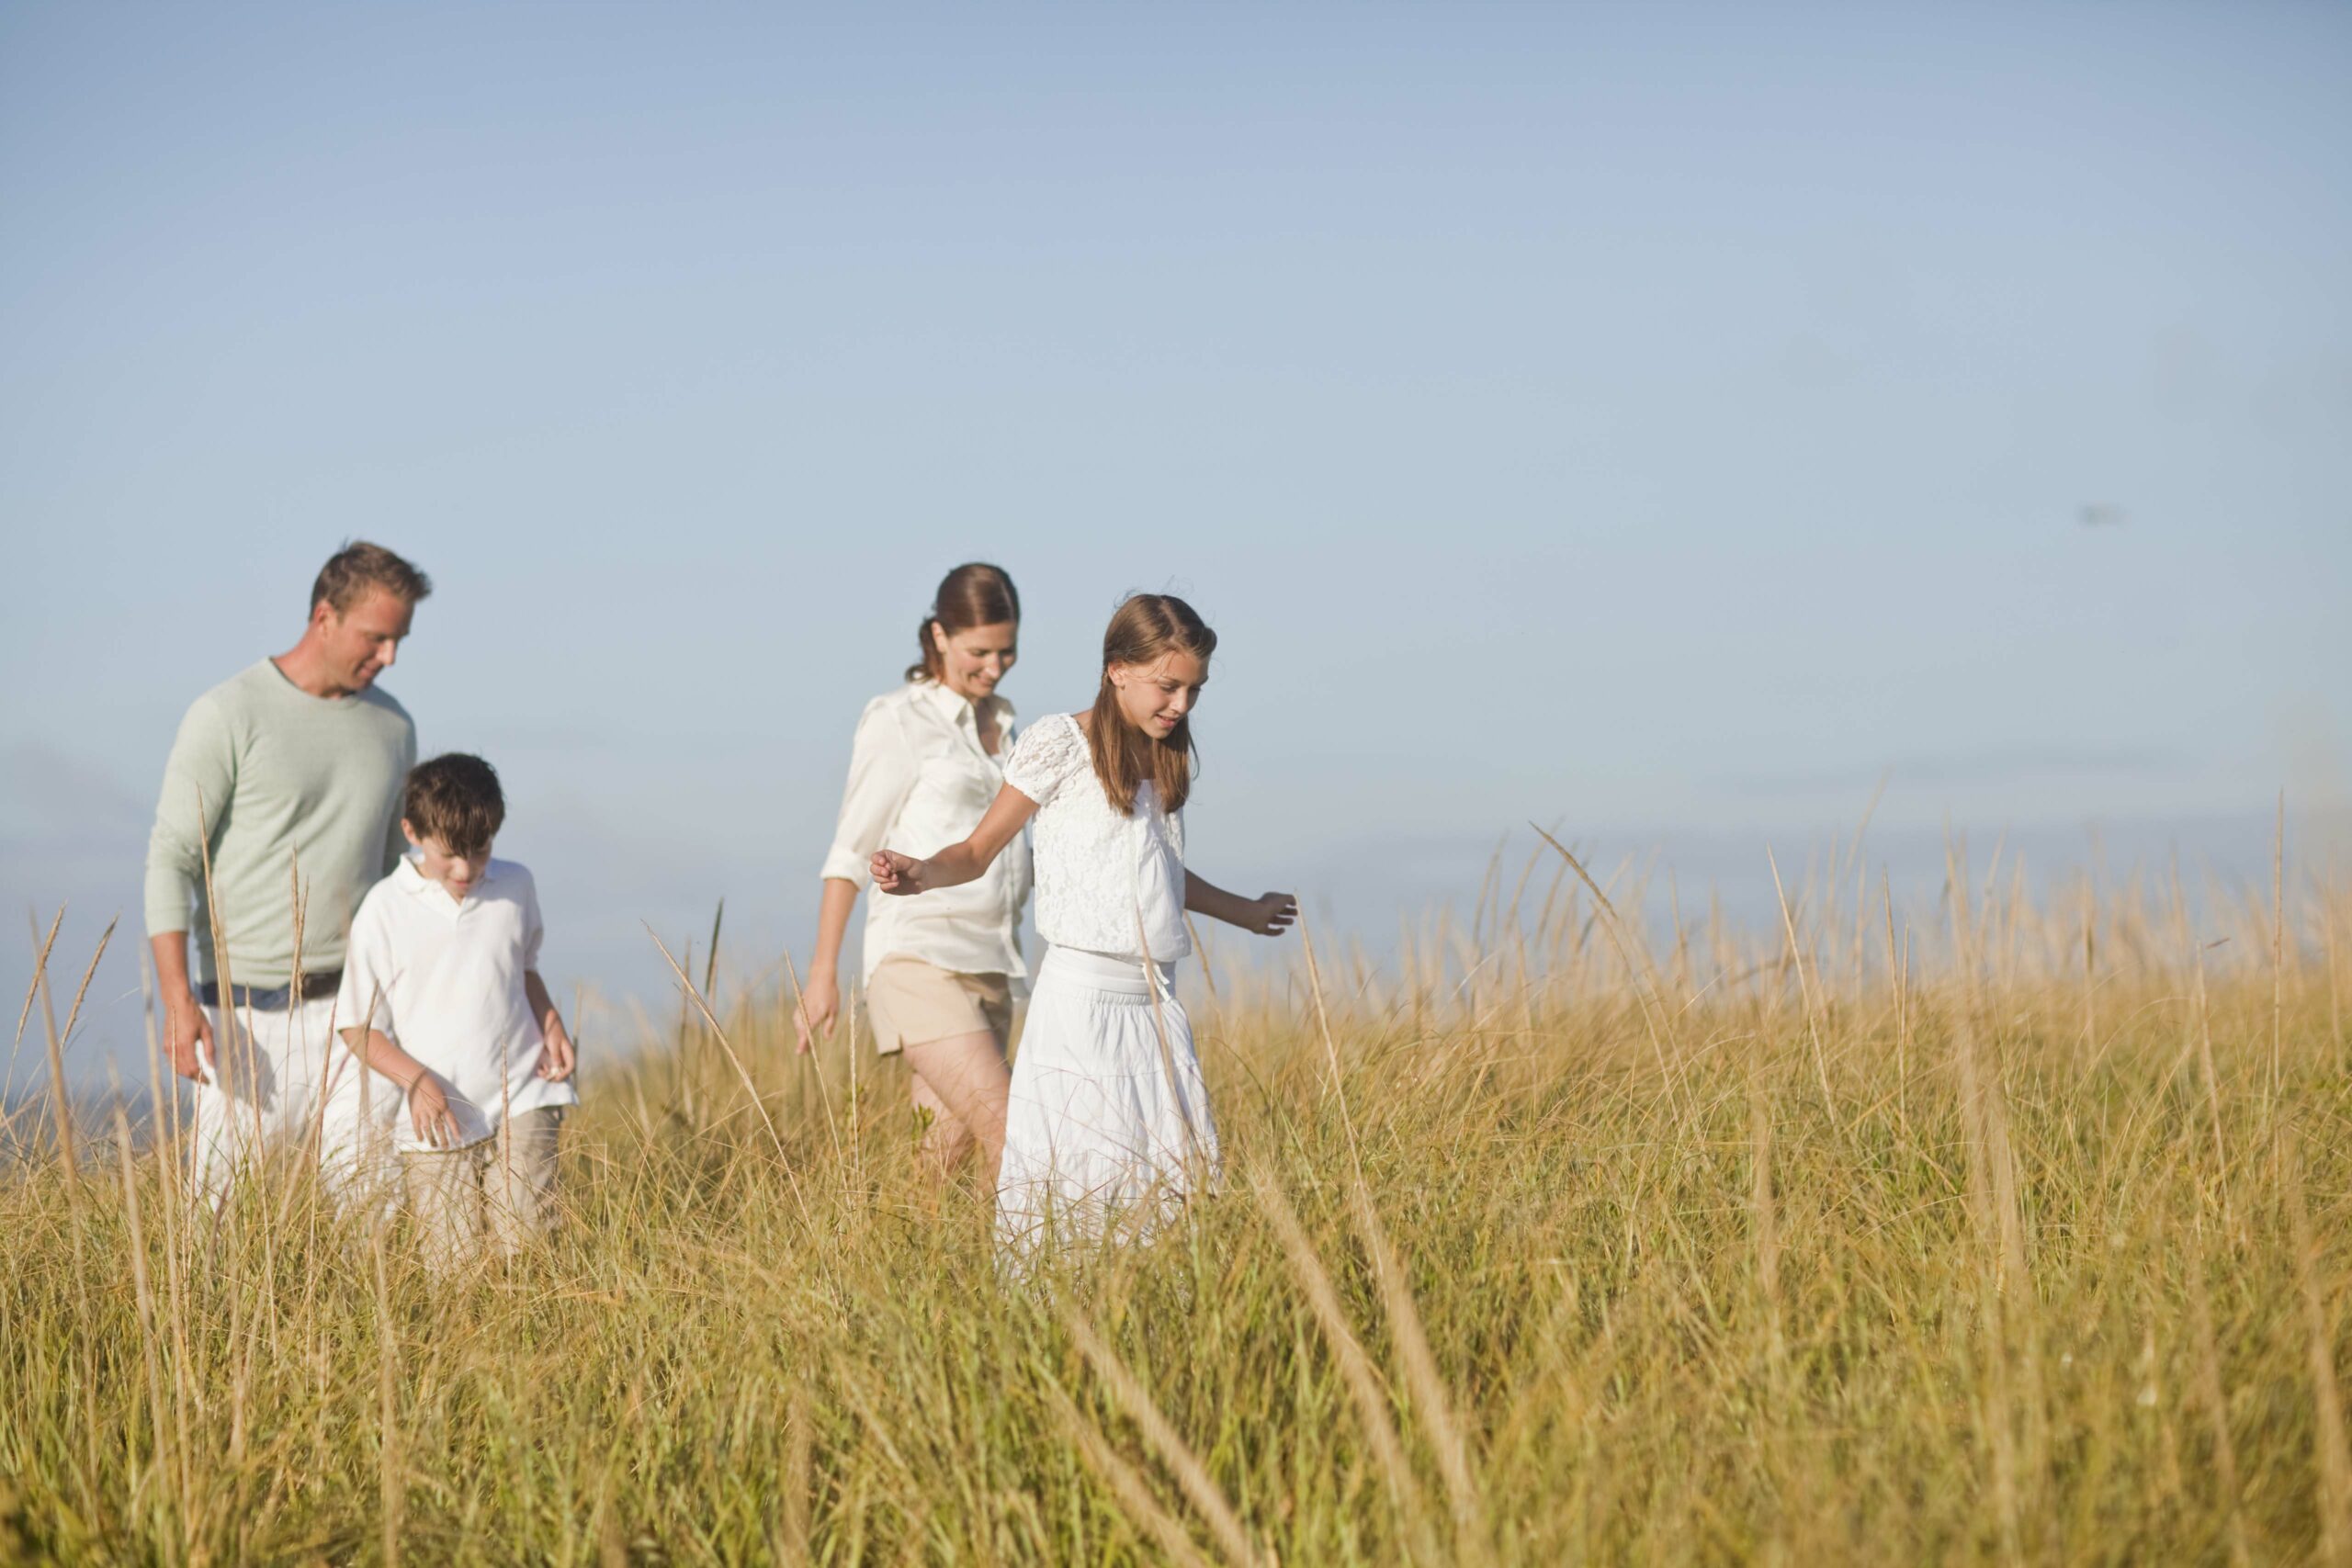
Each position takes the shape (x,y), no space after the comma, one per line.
(1155,697)
(972,662)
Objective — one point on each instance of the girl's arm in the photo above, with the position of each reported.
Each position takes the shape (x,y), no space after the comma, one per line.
(428,1103)
(958,864)
(557,1056)
(1270,914)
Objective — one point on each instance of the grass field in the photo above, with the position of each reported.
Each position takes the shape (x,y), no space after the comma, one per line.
(2002,1231)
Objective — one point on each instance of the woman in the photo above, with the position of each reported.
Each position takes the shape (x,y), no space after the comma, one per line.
(1108,1115)
(940,975)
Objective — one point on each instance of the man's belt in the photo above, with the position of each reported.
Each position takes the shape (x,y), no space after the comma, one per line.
(261,998)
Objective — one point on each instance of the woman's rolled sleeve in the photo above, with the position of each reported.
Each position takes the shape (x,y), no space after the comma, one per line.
(881,775)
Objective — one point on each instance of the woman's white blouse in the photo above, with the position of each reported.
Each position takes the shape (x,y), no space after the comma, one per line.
(1106,882)
(919,781)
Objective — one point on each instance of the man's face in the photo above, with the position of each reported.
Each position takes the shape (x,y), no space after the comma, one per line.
(360,643)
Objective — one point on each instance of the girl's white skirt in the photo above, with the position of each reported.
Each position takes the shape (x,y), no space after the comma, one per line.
(1108,1127)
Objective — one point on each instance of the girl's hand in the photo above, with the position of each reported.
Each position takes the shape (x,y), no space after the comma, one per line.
(557,1056)
(1270,914)
(821,1003)
(895,872)
(429,1113)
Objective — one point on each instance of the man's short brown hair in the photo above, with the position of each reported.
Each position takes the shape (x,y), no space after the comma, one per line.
(455,798)
(359,566)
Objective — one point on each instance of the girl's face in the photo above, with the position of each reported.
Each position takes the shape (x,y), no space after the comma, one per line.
(972,662)
(457,874)
(1155,697)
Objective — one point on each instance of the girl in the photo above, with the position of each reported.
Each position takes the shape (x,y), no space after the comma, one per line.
(940,975)
(1107,1108)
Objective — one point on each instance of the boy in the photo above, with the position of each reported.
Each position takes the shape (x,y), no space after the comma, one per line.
(443,969)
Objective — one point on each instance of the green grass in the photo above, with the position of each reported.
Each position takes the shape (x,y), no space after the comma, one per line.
(1547,1250)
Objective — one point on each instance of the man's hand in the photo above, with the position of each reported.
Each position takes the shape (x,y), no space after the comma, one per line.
(1270,914)
(895,872)
(185,1030)
(557,1056)
(821,1004)
(429,1113)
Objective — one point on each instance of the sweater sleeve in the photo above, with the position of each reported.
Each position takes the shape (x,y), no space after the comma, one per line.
(198,779)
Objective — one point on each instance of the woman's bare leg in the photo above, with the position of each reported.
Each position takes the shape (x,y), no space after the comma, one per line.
(944,1137)
(964,1079)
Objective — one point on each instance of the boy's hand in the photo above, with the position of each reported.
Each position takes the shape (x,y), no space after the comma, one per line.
(557,1056)
(1271,914)
(821,1004)
(895,872)
(429,1113)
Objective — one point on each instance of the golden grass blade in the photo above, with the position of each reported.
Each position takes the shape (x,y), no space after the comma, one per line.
(1173,1452)
(1812,1015)
(41,946)
(817,1063)
(392,1494)
(1431,1399)
(2215,1397)
(1330,1045)
(1373,1411)
(693,998)
(1645,991)
(143,1296)
(61,1101)
(1127,1484)
(2335,1449)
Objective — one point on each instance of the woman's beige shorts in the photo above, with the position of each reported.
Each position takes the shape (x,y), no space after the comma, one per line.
(914,1003)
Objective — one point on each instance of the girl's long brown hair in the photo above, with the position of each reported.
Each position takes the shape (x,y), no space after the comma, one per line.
(974,595)
(1144,628)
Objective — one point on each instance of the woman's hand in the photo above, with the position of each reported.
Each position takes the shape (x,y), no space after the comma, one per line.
(429,1113)
(895,872)
(557,1056)
(821,1004)
(1270,914)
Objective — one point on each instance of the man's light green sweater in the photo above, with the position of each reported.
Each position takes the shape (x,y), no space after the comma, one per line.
(274,779)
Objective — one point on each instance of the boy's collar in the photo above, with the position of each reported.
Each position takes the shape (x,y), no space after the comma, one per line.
(412,880)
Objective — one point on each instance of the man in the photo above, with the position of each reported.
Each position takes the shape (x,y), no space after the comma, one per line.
(282,792)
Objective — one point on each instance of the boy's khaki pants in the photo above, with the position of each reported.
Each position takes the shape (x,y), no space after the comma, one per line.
(488,1198)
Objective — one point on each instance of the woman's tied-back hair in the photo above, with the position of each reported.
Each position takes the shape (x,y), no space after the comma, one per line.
(974,595)
(359,566)
(1145,629)
(455,798)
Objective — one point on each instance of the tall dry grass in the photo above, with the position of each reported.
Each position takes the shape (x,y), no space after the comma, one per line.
(2012,1230)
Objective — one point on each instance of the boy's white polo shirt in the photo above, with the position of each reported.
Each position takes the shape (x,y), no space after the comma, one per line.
(447,980)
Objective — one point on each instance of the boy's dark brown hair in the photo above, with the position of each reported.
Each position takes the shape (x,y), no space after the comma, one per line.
(455,798)
(359,566)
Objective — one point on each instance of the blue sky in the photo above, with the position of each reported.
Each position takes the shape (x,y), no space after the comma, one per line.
(1658,421)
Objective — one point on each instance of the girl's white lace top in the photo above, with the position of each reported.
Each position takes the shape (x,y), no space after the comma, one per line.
(1106,883)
